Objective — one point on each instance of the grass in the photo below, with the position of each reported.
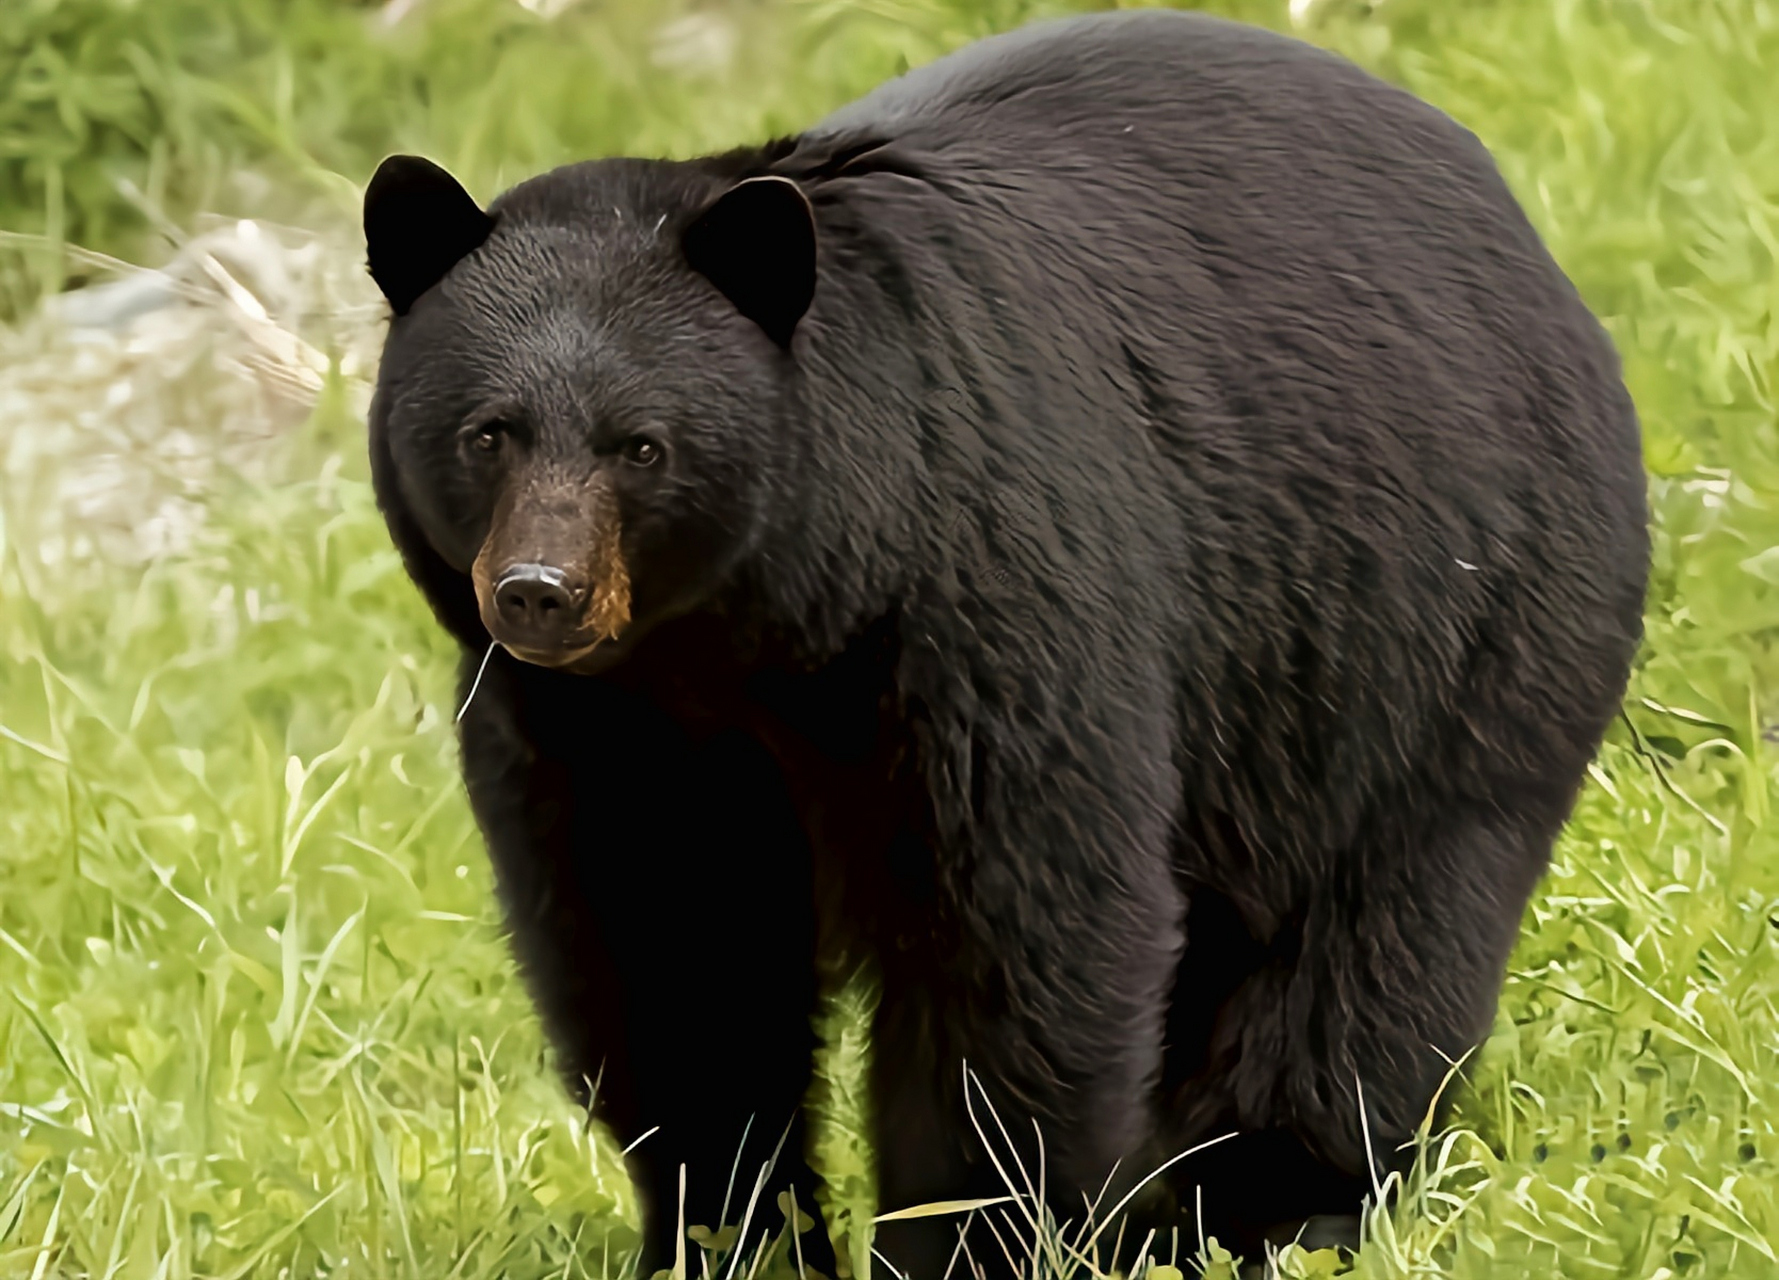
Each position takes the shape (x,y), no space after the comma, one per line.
(256,1018)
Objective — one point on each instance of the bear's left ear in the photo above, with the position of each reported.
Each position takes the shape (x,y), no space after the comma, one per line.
(757,245)
(419,222)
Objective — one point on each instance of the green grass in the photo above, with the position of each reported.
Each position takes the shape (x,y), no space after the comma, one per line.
(256,1018)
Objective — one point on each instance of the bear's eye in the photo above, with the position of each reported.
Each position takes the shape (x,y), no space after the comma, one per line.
(485,438)
(640,451)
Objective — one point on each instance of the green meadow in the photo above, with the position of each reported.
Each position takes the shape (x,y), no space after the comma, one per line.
(256,1015)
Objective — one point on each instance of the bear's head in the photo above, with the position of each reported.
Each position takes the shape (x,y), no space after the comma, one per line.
(576,408)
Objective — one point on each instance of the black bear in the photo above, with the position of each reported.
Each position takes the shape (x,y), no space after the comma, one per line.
(1126,527)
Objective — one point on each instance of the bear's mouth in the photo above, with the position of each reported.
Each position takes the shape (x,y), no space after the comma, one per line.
(555,659)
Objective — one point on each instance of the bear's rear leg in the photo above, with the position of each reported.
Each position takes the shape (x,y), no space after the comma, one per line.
(1267,1187)
(1395,975)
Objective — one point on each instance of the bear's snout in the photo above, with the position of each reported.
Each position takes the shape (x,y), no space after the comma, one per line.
(551,581)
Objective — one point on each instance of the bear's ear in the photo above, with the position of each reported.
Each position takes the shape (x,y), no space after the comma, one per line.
(419,222)
(757,245)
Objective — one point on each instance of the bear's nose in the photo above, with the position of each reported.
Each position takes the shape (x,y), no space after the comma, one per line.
(536,605)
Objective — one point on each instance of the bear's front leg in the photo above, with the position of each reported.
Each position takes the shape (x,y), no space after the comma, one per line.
(658,895)
(1047,975)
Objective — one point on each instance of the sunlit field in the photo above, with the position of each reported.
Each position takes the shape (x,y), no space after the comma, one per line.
(256,1015)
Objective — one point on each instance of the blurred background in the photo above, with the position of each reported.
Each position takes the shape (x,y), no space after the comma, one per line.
(256,1018)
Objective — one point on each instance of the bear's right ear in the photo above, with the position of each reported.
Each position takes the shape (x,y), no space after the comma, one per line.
(419,222)
(756,243)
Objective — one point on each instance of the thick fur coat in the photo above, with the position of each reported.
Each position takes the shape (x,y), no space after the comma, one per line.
(1154,591)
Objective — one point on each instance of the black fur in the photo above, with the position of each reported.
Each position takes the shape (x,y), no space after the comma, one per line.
(1159,602)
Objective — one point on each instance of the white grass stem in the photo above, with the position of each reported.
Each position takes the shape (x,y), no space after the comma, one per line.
(476,683)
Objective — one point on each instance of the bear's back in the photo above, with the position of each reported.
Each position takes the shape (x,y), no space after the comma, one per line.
(1091,87)
(1246,321)
(1293,273)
